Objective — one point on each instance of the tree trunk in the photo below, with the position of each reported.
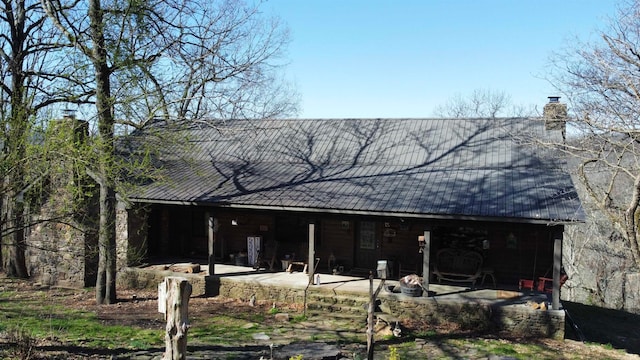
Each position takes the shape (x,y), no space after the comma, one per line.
(632,214)
(105,287)
(14,244)
(15,151)
(178,292)
(106,280)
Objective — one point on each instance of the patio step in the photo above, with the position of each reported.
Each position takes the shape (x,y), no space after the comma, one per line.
(342,300)
(337,315)
(334,308)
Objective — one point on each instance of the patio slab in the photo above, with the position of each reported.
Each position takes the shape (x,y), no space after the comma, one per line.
(357,284)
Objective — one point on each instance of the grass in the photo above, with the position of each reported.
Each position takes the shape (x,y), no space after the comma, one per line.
(43,315)
(46,319)
(222,330)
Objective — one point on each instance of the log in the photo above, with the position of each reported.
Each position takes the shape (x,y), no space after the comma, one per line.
(178,292)
(186,268)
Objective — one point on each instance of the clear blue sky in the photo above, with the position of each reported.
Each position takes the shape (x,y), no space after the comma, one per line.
(374,58)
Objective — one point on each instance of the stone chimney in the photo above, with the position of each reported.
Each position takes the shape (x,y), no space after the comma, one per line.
(555,116)
(68,114)
(73,128)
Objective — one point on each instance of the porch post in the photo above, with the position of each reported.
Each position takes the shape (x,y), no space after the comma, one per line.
(557,266)
(212,227)
(425,261)
(312,251)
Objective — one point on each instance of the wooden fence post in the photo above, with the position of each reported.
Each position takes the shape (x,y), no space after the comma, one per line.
(373,296)
(370,311)
(178,292)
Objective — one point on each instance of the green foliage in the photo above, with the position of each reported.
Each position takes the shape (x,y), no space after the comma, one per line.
(425,334)
(298,318)
(297,357)
(393,353)
(58,165)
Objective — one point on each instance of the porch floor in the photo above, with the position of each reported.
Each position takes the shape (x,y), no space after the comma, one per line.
(360,285)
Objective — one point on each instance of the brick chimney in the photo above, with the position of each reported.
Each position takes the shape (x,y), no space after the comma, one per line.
(555,115)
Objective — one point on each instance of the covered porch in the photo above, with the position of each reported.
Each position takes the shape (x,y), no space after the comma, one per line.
(509,255)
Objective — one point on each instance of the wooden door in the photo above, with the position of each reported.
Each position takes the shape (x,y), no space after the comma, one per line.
(367,245)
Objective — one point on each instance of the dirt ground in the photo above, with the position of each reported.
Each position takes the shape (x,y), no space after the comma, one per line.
(139,308)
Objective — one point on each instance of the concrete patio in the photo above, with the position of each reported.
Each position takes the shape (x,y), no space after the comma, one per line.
(341,284)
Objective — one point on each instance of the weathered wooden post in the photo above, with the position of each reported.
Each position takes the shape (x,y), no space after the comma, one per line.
(557,268)
(373,296)
(173,298)
(312,251)
(370,311)
(425,248)
(212,227)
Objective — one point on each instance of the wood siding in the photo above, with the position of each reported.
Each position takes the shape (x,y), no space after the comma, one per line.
(515,251)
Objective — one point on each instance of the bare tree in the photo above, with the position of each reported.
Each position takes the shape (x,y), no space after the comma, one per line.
(178,60)
(105,36)
(30,78)
(222,61)
(482,103)
(602,82)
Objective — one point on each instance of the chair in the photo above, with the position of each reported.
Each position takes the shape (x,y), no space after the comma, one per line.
(546,284)
(488,272)
(525,284)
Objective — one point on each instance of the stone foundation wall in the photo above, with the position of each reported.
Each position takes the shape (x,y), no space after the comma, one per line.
(131,235)
(61,254)
(525,321)
(517,319)
(244,290)
(134,278)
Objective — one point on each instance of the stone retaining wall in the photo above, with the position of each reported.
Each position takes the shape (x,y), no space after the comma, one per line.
(479,315)
(134,278)
(244,290)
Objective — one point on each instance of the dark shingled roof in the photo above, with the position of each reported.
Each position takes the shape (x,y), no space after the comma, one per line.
(430,168)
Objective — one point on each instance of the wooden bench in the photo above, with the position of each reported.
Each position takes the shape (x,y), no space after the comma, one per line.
(458,266)
(293,264)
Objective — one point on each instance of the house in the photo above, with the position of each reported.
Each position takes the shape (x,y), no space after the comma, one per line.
(370,187)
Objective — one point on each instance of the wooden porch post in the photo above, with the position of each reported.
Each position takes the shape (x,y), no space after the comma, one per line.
(557,267)
(312,251)
(425,261)
(212,226)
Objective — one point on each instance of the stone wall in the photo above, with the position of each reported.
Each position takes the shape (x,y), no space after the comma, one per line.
(134,278)
(131,235)
(478,315)
(62,245)
(632,292)
(527,322)
(516,319)
(59,254)
(598,262)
